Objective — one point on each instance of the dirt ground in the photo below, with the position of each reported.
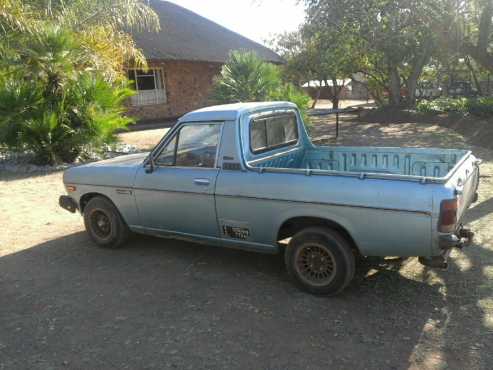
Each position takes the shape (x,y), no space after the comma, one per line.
(155,304)
(145,139)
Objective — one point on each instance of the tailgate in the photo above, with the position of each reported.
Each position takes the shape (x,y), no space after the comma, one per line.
(466,185)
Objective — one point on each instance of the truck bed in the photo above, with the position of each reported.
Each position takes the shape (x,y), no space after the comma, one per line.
(411,162)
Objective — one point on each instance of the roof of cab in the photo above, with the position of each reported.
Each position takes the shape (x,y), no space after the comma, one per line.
(230,112)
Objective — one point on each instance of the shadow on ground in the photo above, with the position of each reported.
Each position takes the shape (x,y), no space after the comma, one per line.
(167,304)
(159,303)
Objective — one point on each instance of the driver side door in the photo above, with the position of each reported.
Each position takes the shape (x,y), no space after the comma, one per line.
(178,196)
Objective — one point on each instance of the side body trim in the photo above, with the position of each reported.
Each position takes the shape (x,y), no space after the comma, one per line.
(208,240)
(276,200)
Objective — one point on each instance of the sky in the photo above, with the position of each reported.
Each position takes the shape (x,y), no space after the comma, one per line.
(258,20)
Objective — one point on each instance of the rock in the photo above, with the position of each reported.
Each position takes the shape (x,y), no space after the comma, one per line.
(22,162)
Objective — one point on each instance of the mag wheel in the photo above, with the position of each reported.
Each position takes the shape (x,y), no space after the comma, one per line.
(320,260)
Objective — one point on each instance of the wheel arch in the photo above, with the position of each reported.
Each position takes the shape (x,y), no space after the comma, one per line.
(293,225)
(85,198)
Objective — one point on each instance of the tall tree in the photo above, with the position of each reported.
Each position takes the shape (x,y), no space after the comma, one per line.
(474,30)
(399,35)
(327,55)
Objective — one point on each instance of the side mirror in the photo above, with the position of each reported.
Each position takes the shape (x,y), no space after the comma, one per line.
(149,166)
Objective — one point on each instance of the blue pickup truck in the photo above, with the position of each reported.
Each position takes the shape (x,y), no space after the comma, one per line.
(247,176)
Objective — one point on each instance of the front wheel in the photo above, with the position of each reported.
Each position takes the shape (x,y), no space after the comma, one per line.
(320,261)
(104,224)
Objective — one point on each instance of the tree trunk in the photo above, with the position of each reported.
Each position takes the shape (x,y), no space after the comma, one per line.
(377,97)
(335,102)
(482,57)
(395,86)
(411,84)
(336,91)
(480,51)
(317,97)
(417,69)
(474,76)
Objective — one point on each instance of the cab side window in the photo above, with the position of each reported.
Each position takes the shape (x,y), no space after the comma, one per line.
(167,156)
(273,132)
(193,145)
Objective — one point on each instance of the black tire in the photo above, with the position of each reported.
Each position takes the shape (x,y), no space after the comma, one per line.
(104,224)
(320,261)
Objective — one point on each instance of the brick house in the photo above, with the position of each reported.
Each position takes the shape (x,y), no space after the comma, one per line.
(183,58)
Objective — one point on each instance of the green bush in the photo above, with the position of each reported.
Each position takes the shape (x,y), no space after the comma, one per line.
(246,78)
(52,105)
(443,105)
(481,107)
(426,106)
(59,131)
(288,92)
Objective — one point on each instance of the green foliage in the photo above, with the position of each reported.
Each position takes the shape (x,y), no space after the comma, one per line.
(59,131)
(62,89)
(443,105)
(102,27)
(288,92)
(396,37)
(246,78)
(52,104)
(321,53)
(480,107)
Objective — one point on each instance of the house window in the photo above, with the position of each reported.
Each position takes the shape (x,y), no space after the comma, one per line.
(149,86)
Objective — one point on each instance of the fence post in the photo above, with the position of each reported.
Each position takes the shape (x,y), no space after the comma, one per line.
(337,125)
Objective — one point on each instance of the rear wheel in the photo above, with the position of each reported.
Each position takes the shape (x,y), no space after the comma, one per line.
(320,260)
(104,223)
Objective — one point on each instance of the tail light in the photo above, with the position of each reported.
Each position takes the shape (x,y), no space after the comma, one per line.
(448,216)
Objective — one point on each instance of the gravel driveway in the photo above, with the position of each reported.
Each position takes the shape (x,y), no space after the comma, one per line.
(65,304)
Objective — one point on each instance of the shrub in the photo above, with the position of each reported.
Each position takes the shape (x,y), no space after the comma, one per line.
(52,104)
(59,131)
(481,107)
(426,106)
(246,78)
(443,105)
(288,92)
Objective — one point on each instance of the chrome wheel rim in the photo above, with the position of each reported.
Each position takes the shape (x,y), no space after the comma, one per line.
(100,224)
(315,264)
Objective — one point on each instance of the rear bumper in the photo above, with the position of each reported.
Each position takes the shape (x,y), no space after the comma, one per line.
(68,203)
(462,238)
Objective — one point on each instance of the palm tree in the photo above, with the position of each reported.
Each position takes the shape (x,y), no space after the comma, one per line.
(62,86)
(245,77)
(102,27)
(13,16)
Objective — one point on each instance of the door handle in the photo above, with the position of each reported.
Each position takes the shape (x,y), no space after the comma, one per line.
(204,182)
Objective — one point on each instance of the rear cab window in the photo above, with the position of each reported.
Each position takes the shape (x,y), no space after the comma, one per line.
(273,132)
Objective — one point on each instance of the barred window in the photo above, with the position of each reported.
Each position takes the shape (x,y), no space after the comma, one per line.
(149,86)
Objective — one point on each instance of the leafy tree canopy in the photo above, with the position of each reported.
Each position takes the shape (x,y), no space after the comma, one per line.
(101,26)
